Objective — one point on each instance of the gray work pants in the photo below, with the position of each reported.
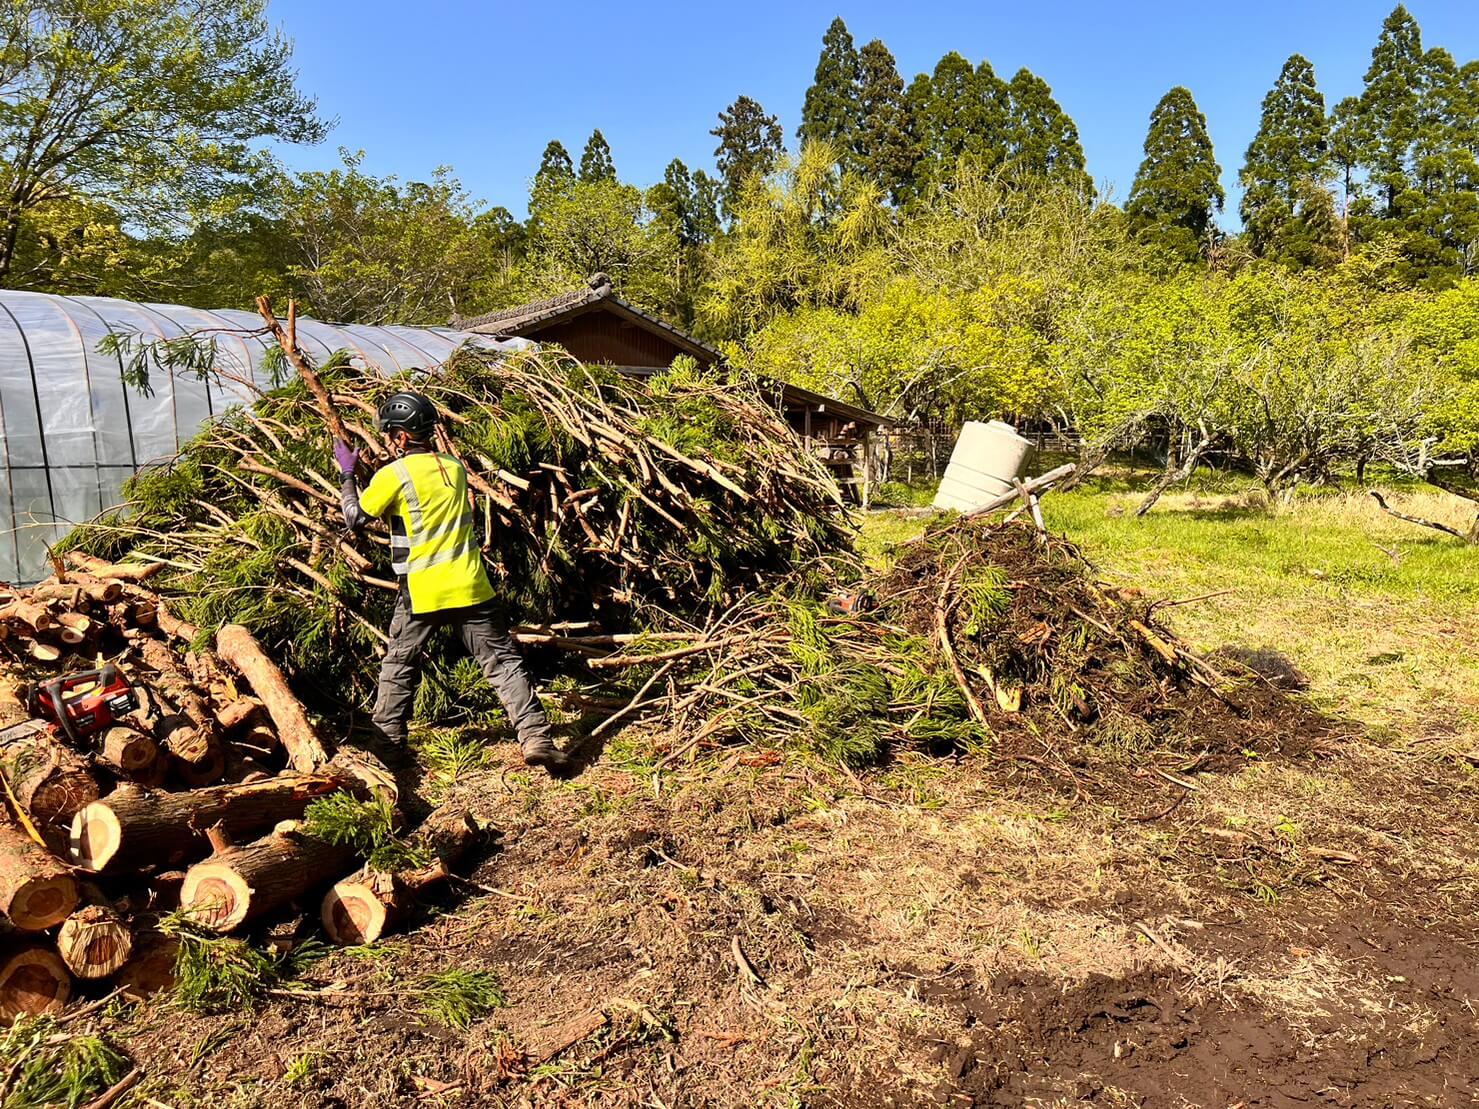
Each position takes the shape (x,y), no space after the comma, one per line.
(485,641)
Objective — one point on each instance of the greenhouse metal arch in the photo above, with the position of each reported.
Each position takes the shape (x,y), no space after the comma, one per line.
(72,431)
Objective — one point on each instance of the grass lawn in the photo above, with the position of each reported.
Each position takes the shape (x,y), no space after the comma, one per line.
(1378,613)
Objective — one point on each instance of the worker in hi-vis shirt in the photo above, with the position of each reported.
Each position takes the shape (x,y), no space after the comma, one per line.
(435,555)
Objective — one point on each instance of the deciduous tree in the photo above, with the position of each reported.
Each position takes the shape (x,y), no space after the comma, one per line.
(154,107)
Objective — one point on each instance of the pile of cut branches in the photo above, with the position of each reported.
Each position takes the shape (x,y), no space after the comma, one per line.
(984,636)
(600,501)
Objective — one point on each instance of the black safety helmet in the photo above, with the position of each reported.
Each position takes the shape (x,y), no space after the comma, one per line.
(408,412)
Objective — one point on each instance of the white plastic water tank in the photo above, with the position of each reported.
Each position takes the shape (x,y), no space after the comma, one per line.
(986,459)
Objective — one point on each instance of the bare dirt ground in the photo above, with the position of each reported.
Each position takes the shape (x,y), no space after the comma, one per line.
(1299,930)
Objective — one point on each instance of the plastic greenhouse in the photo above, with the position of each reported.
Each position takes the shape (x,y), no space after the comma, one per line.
(71,431)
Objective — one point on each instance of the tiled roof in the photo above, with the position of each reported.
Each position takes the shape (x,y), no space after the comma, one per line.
(507,320)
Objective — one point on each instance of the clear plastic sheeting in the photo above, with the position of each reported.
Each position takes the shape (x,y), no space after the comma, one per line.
(72,431)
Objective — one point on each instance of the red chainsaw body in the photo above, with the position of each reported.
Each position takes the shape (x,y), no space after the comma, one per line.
(85,703)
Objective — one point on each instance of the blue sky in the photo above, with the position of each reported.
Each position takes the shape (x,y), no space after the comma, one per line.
(483,86)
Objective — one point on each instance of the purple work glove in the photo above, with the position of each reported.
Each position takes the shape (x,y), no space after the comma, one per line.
(346,456)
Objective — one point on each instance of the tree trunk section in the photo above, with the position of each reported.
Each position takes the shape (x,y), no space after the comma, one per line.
(189,737)
(94,941)
(33,981)
(128,751)
(360,909)
(151,969)
(50,781)
(37,891)
(239,885)
(132,827)
(241,650)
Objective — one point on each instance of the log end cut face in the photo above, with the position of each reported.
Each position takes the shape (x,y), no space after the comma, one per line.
(56,800)
(215,896)
(95,838)
(94,943)
(33,982)
(43,902)
(352,914)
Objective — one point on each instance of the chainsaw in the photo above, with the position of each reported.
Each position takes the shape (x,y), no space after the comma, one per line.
(83,704)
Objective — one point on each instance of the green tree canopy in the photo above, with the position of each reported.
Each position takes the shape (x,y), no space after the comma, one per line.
(749,144)
(376,250)
(830,112)
(1043,139)
(884,147)
(1290,151)
(1177,189)
(555,164)
(154,107)
(595,159)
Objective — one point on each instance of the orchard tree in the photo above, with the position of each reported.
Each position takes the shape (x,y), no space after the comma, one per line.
(750,144)
(1290,152)
(884,149)
(831,112)
(595,160)
(1177,189)
(157,108)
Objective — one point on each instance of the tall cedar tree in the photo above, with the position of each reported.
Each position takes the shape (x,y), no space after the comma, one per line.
(1043,138)
(884,150)
(555,164)
(1177,188)
(961,113)
(1390,108)
(831,111)
(749,143)
(1290,150)
(595,159)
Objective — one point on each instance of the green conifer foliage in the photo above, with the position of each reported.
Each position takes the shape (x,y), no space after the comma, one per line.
(749,143)
(1044,141)
(961,113)
(595,160)
(1391,107)
(831,111)
(1290,150)
(884,149)
(1177,188)
(555,164)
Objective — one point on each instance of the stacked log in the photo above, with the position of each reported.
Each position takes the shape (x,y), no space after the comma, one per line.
(218,750)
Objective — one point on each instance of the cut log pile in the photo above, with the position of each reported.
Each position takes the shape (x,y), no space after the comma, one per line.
(191,800)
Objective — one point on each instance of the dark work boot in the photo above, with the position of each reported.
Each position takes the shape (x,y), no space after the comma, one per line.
(555,762)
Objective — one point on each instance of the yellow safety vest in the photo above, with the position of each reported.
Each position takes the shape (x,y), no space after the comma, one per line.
(433,544)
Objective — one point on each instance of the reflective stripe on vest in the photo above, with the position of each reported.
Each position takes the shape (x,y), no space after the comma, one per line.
(445,541)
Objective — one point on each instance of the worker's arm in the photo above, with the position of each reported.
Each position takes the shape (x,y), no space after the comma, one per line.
(360,508)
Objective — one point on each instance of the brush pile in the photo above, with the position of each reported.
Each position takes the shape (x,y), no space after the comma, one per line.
(982,637)
(599,500)
(179,775)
